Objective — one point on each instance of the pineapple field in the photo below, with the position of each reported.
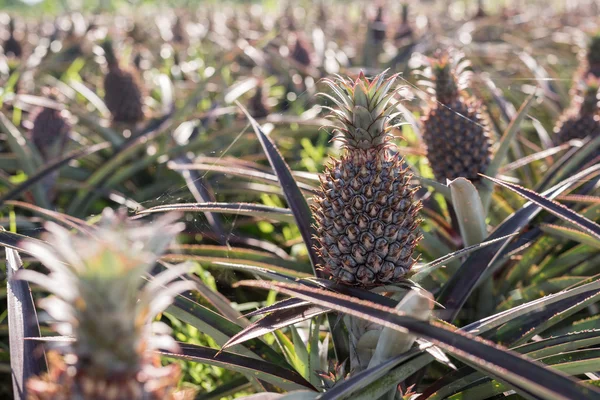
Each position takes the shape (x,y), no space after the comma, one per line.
(298,200)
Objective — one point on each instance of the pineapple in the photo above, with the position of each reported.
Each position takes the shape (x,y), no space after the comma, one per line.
(376,33)
(582,118)
(99,298)
(301,52)
(455,127)
(122,93)
(259,108)
(50,128)
(404,30)
(378,26)
(11,46)
(365,210)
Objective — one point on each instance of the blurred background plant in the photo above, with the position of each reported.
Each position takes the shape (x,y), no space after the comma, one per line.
(142,105)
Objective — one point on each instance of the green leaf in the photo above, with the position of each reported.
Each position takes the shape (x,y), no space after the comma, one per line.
(263,370)
(49,168)
(26,157)
(26,360)
(554,208)
(571,234)
(522,374)
(502,151)
(253,210)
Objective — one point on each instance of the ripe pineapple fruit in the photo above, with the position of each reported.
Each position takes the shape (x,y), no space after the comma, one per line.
(365,211)
(582,118)
(455,128)
(122,89)
(100,299)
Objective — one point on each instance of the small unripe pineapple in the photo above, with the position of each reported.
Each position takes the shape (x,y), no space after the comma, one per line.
(365,211)
(455,127)
(122,90)
(582,118)
(100,298)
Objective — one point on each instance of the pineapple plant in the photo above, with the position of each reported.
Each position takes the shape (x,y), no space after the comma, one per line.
(365,210)
(122,89)
(455,126)
(582,118)
(98,297)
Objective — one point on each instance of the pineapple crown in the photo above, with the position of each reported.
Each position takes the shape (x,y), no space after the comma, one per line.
(109,53)
(593,53)
(589,105)
(363,109)
(11,26)
(99,297)
(449,73)
(404,13)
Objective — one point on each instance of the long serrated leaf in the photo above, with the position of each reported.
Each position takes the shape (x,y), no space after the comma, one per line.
(293,195)
(502,151)
(253,210)
(284,378)
(553,207)
(26,157)
(26,360)
(519,372)
(424,270)
(571,234)
(456,291)
(47,169)
(276,320)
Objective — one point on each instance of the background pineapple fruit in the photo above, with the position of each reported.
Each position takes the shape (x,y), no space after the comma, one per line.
(258,103)
(404,30)
(100,299)
(582,118)
(50,127)
(122,89)
(455,128)
(11,46)
(365,210)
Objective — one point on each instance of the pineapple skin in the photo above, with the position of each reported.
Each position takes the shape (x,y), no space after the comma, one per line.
(366,219)
(457,139)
